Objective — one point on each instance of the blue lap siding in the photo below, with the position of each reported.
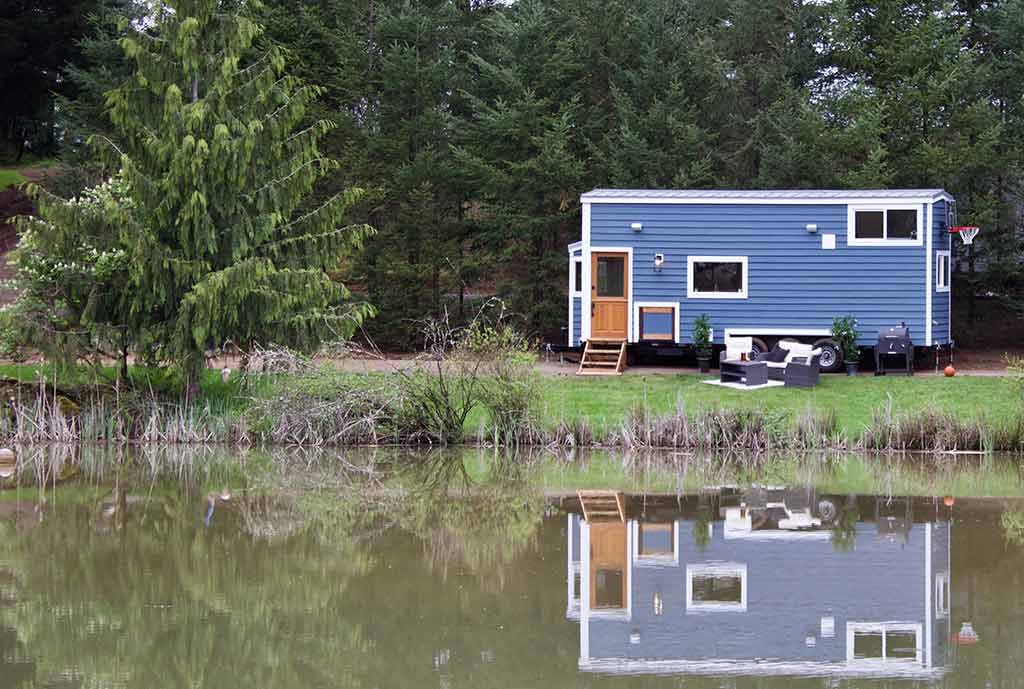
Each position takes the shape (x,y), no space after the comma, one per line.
(941,241)
(793,282)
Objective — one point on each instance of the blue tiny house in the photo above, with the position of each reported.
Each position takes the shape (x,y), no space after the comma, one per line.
(766,264)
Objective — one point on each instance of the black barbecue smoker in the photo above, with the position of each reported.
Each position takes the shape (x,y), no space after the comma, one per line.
(894,352)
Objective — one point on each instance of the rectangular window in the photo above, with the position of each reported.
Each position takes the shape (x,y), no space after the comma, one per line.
(942,271)
(892,642)
(577,281)
(657,323)
(716,277)
(716,588)
(941,595)
(878,226)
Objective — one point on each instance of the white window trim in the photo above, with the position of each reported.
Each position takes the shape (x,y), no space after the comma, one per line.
(730,569)
(635,336)
(851,224)
(572,275)
(665,560)
(884,627)
(691,293)
(941,595)
(939,274)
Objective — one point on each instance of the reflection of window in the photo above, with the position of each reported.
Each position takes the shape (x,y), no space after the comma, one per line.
(888,641)
(657,539)
(576,586)
(722,277)
(716,587)
(941,595)
(577,281)
(608,588)
(611,276)
(881,225)
(941,271)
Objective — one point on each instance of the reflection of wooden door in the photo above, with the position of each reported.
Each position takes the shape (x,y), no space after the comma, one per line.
(608,564)
(609,304)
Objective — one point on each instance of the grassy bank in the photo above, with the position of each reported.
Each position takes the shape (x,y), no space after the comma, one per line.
(604,402)
(323,406)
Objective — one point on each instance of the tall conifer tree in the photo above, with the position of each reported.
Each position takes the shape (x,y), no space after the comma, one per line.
(219,161)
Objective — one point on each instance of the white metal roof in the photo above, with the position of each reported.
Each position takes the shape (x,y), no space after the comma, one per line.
(759,195)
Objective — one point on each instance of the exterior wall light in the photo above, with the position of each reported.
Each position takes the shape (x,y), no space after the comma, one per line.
(659,261)
(812,229)
(637,226)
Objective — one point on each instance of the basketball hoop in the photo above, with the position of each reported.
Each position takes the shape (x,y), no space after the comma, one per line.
(967,232)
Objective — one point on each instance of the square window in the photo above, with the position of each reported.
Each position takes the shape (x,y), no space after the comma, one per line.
(901,224)
(901,645)
(870,225)
(657,539)
(657,323)
(867,644)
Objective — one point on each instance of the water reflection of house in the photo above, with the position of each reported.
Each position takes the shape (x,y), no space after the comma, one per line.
(664,593)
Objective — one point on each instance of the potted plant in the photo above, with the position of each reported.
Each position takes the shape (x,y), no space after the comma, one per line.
(702,342)
(844,332)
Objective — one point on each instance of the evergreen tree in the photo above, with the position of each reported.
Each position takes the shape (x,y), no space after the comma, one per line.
(219,243)
(521,148)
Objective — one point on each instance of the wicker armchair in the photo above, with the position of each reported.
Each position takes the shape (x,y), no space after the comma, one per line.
(802,374)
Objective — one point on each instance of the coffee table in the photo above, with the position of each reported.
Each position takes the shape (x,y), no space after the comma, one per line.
(743,372)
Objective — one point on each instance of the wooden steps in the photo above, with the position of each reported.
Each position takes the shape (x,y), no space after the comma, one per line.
(602,505)
(603,358)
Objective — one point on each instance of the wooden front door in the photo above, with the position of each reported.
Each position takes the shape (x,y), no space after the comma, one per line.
(608,562)
(609,301)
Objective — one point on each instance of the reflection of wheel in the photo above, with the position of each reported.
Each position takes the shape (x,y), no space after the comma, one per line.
(831,359)
(758,519)
(758,346)
(827,510)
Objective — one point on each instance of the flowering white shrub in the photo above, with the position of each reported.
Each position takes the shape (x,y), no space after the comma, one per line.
(71,268)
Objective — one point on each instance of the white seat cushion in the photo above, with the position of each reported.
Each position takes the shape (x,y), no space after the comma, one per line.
(735,346)
(797,349)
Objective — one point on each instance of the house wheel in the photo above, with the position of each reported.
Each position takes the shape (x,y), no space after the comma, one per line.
(757,347)
(831,359)
(827,510)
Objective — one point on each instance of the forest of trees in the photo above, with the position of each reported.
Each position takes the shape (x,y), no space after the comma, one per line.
(473,126)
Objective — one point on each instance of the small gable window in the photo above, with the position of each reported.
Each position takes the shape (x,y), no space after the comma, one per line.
(942,271)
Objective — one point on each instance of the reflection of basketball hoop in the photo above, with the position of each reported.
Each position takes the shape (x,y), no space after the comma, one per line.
(967,232)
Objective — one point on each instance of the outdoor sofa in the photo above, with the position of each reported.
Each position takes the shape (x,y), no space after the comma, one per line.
(794,363)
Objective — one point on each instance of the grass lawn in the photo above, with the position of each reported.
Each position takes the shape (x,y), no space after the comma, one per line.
(605,401)
(9,177)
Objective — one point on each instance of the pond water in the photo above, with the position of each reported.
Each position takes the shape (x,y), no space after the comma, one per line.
(299,571)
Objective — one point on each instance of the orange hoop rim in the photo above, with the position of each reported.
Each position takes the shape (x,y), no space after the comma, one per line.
(957,229)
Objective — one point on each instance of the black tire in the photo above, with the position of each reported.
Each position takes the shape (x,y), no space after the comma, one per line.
(831,359)
(757,347)
(827,510)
